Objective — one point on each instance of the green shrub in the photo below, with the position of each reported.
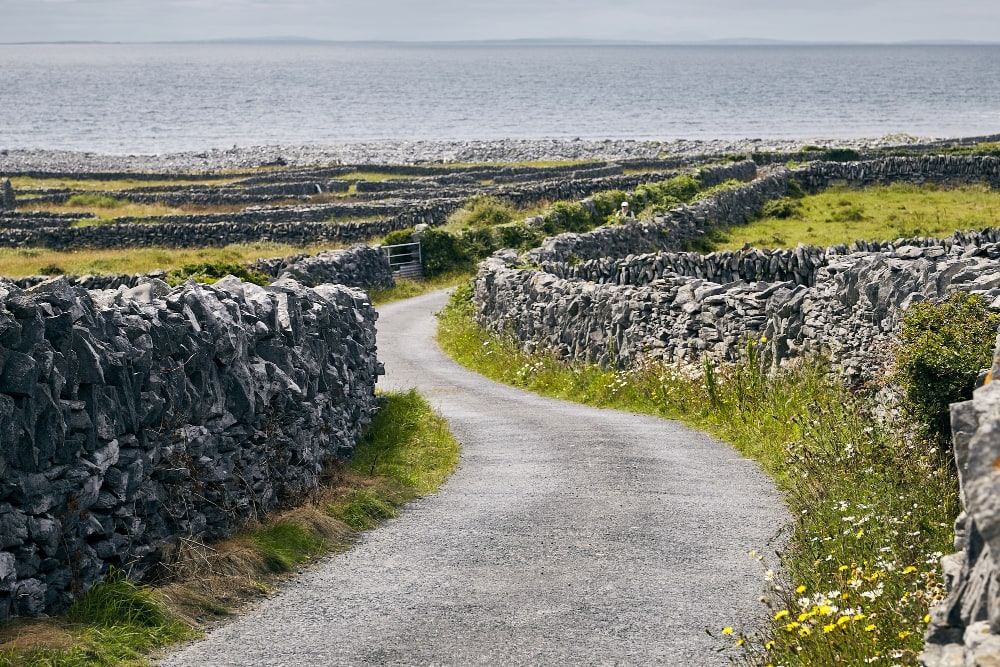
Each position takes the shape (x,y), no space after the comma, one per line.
(94,201)
(208,272)
(484,211)
(398,237)
(794,189)
(442,252)
(566,216)
(941,351)
(786,207)
(479,243)
(841,155)
(520,236)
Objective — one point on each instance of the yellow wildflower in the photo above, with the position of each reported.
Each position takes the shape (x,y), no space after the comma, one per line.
(800,589)
(781,614)
(927,618)
(740,641)
(859,617)
(843,620)
(727,631)
(869,628)
(909,569)
(791,626)
(769,645)
(904,634)
(830,627)
(804,632)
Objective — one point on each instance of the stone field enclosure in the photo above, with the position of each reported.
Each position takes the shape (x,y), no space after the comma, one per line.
(139,407)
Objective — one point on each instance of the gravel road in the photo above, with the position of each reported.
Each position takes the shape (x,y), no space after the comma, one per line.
(568,535)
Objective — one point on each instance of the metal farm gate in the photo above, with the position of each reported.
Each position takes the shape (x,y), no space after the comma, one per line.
(405,260)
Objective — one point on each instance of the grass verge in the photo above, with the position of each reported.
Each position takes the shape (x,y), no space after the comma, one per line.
(407,288)
(407,452)
(885,213)
(872,510)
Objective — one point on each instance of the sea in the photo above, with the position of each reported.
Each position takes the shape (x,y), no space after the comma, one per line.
(156,98)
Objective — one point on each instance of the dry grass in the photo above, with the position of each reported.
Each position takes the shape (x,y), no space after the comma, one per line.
(25,184)
(19,262)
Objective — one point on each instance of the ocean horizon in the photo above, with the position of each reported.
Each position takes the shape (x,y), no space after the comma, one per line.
(171,97)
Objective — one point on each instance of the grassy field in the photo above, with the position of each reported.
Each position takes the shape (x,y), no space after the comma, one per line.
(18,262)
(842,215)
(25,184)
(406,453)
(872,509)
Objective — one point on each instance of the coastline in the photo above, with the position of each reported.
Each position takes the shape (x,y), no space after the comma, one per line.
(14,161)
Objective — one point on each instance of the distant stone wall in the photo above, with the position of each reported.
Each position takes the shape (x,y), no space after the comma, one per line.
(134,418)
(358,266)
(680,225)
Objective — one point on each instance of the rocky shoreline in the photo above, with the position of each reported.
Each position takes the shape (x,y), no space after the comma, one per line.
(14,161)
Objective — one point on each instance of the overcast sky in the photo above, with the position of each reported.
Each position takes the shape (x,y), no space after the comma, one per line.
(446,20)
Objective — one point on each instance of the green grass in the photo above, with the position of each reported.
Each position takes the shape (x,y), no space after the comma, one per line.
(407,288)
(372,176)
(18,262)
(872,511)
(885,213)
(406,452)
(27,183)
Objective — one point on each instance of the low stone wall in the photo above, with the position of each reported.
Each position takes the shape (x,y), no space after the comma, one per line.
(944,169)
(358,266)
(965,628)
(685,223)
(798,265)
(850,311)
(134,418)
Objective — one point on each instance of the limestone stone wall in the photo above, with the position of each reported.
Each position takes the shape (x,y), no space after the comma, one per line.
(133,418)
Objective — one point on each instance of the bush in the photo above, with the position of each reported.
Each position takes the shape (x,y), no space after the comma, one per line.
(94,201)
(442,252)
(398,237)
(942,349)
(213,272)
(782,208)
(520,236)
(842,155)
(567,217)
(484,211)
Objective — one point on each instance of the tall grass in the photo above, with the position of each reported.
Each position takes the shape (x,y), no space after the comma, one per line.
(872,508)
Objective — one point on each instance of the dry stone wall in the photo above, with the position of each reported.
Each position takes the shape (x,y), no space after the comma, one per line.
(133,418)
(850,309)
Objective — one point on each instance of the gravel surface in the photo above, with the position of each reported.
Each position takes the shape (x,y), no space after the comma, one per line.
(14,161)
(568,535)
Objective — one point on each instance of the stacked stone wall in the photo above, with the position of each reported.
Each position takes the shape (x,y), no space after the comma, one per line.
(134,418)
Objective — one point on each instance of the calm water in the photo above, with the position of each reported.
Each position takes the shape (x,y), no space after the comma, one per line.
(156,98)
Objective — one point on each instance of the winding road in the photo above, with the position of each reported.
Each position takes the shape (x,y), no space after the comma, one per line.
(568,536)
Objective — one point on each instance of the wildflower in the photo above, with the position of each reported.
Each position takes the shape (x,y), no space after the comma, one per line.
(904,634)
(859,617)
(727,630)
(927,618)
(800,589)
(830,627)
(909,569)
(804,632)
(870,627)
(781,614)
(740,641)
(769,645)
(791,626)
